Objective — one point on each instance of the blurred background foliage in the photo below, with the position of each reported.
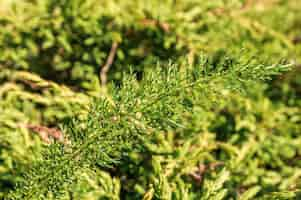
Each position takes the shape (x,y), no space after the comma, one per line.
(51,57)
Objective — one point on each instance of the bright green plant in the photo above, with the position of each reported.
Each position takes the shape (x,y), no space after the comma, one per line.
(229,136)
(164,102)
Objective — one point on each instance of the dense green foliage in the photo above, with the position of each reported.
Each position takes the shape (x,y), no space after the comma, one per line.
(194,108)
(70,40)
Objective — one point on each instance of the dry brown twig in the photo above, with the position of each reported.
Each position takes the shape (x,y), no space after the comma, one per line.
(47,133)
(104,70)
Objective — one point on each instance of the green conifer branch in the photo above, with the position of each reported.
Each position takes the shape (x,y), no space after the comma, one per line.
(111,131)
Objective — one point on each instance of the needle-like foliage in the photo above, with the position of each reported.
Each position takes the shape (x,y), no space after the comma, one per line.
(85,113)
(114,128)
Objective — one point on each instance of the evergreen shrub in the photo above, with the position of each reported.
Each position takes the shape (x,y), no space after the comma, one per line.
(174,99)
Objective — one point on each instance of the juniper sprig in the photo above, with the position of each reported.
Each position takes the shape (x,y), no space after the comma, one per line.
(115,128)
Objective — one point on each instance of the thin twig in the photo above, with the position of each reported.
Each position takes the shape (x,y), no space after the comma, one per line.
(46,133)
(155,23)
(104,70)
